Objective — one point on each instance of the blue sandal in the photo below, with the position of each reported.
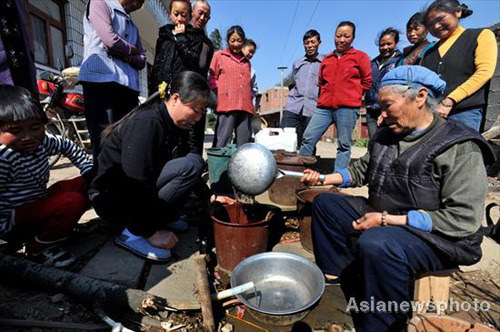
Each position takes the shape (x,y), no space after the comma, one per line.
(142,248)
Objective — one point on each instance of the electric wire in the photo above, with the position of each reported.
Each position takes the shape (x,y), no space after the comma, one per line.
(289,31)
(305,29)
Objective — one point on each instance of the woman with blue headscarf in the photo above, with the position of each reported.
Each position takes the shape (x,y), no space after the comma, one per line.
(427,187)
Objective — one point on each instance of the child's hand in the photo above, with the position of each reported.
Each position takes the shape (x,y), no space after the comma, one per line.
(179,28)
(163,239)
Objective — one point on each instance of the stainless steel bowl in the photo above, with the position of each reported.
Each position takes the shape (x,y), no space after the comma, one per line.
(284,283)
(252,169)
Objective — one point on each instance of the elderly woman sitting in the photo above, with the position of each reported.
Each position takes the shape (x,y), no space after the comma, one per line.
(427,186)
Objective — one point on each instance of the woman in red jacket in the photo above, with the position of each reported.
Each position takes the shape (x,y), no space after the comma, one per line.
(344,75)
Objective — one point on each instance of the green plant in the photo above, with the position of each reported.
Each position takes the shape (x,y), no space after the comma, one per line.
(361,143)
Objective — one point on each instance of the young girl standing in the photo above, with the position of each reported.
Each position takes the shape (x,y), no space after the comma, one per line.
(173,46)
(230,76)
(181,47)
(146,170)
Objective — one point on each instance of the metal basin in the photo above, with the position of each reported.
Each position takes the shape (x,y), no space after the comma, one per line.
(285,283)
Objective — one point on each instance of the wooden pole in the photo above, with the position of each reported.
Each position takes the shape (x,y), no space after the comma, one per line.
(204,293)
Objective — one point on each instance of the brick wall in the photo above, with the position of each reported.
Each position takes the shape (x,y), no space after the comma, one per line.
(270,99)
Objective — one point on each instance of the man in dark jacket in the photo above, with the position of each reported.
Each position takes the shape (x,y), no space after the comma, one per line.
(427,186)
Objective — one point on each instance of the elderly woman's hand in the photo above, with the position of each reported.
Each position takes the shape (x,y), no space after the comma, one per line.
(369,220)
(374,219)
(311,178)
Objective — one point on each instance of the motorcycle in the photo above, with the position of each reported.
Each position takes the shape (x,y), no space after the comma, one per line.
(65,110)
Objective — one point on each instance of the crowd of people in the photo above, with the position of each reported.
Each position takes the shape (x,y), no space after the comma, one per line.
(424,167)
(337,96)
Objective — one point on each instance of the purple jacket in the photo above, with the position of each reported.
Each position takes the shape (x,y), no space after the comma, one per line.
(21,50)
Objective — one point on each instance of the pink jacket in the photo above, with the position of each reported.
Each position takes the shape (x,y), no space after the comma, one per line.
(230,75)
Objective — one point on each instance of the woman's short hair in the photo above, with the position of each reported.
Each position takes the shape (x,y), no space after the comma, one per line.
(448,6)
(415,19)
(390,31)
(235,29)
(348,24)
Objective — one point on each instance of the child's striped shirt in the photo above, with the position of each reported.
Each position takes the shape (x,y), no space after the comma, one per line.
(24,177)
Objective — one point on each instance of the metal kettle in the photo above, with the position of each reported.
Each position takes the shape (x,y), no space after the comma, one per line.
(252,169)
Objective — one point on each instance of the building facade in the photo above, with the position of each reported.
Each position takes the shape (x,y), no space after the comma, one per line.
(269,105)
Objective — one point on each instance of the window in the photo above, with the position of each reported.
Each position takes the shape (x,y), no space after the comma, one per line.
(46,20)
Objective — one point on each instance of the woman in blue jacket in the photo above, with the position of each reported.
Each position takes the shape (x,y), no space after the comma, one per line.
(385,62)
(416,32)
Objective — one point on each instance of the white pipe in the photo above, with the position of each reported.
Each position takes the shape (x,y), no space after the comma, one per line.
(233,291)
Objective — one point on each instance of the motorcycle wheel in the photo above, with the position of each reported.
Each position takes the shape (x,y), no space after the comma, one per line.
(53,128)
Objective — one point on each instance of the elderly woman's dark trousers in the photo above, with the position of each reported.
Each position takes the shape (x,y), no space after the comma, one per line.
(378,264)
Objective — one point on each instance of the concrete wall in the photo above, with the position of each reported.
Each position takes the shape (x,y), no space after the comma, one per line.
(74,11)
(493,110)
